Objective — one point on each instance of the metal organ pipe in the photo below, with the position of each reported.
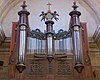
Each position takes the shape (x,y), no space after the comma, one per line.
(49,40)
(48,18)
(71,44)
(77,45)
(22,45)
(65,45)
(49,37)
(23,28)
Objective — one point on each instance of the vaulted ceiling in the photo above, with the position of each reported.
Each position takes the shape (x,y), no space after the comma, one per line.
(92,6)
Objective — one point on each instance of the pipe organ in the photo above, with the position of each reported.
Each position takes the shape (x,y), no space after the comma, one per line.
(49,55)
(36,42)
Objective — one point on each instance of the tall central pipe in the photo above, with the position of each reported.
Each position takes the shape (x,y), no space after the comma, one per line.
(49,37)
(49,31)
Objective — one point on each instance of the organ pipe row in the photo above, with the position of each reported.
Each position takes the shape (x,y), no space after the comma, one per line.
(38,45)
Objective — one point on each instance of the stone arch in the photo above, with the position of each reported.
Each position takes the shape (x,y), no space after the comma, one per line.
(12,3)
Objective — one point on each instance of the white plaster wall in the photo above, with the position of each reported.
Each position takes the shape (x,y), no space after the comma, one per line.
(35,7)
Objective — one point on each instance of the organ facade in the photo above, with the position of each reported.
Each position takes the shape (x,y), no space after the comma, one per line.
(49,55)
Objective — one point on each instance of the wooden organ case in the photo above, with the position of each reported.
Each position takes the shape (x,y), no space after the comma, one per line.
(49,56)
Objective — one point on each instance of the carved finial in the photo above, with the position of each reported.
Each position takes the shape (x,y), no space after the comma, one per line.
(24,2)
(49,15)
(49,4)
(24,5)
(74,5)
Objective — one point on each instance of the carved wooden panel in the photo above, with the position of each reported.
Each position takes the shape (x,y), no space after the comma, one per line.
(3,73)
(63,68)
(36,67)
(41,67)
(58,69)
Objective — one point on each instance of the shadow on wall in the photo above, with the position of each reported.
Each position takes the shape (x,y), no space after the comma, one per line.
(1,63)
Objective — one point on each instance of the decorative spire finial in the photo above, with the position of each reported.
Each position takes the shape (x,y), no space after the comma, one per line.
(49,15)
(24,5)
(74,5)
(24,2)
(49,4)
